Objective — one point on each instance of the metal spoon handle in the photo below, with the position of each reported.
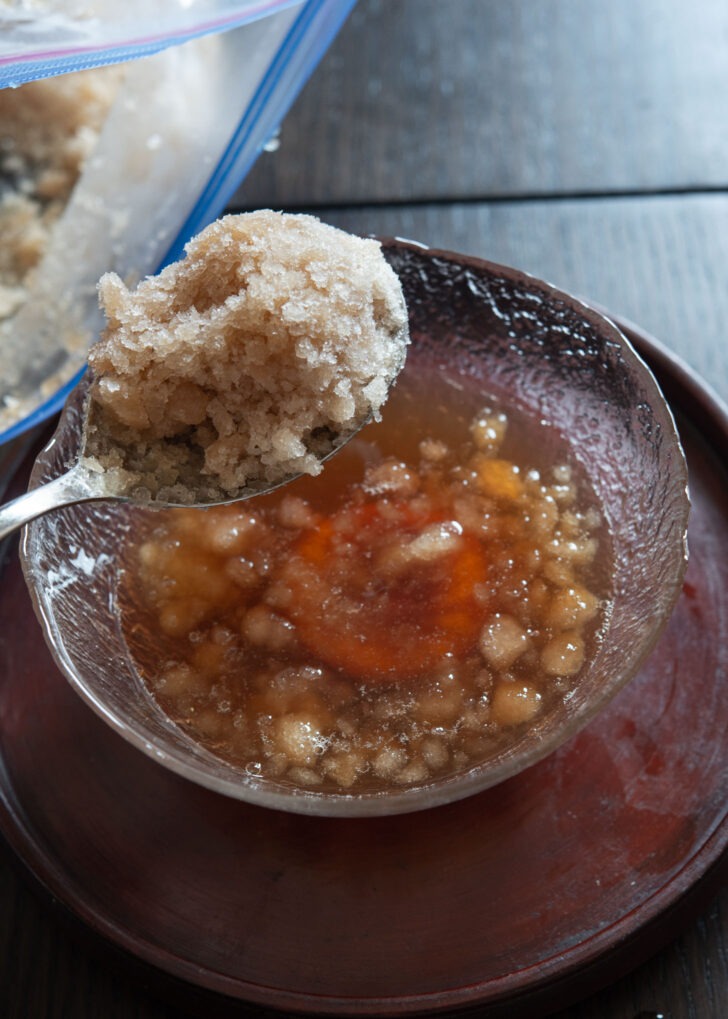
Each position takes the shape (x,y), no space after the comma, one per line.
(62,491)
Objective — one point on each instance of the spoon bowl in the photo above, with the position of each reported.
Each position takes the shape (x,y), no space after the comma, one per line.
(80,483)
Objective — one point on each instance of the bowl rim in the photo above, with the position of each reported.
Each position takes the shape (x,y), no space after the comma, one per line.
(451,788)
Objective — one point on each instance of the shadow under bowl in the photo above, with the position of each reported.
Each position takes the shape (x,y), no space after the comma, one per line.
(533,348)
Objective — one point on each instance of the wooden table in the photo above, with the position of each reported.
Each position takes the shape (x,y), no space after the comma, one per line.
(584,142)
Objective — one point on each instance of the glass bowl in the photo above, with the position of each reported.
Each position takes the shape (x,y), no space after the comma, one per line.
(544,354)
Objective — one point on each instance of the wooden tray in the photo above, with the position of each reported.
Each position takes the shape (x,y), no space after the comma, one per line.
(519,900)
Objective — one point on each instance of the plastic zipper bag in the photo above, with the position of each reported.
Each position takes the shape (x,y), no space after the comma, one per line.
(47,37)
(185,127)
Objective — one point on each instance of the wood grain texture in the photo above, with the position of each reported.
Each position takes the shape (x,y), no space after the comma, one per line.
(422,100)
(685,981)
(661,262)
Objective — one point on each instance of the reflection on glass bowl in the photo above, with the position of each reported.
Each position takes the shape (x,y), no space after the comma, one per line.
(544,355)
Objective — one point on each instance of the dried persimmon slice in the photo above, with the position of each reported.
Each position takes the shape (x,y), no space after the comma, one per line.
(387,589)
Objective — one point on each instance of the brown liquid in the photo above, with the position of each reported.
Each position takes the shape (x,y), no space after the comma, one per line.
(420,605)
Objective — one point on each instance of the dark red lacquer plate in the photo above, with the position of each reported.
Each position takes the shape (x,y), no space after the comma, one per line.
(516,900)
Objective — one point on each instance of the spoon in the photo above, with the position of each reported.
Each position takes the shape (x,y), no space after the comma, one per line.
(79,483)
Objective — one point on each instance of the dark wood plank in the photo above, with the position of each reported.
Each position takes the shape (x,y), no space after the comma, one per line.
(688,979)
(661,262)
(419,99)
